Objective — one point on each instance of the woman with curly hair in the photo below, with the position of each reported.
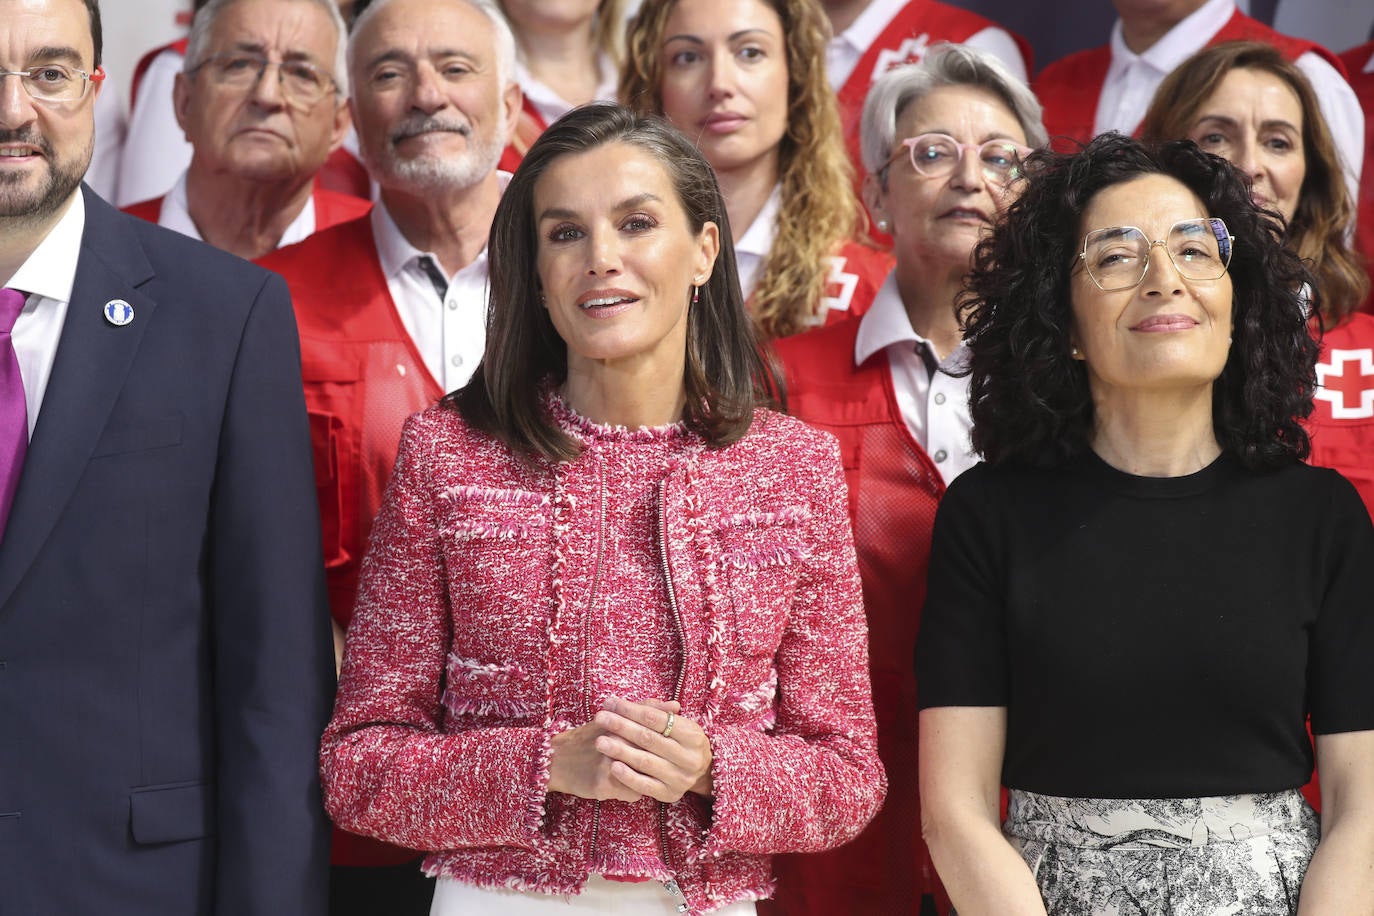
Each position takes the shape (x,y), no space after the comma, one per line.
(745,80)
(1244,102)
(1138,599)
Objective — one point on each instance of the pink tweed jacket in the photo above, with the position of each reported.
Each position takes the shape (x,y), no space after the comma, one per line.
(467,653)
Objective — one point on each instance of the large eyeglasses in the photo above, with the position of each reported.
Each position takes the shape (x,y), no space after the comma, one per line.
(55,82)
(1116,258)
(302,83)
(936,155)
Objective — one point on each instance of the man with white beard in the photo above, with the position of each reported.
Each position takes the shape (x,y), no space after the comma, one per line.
(391,307)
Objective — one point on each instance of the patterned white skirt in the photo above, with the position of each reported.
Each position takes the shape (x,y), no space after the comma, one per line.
(1234,855)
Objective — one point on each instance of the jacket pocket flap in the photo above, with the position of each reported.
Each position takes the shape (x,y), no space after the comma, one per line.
(139,435)
(337,367)
(170,813)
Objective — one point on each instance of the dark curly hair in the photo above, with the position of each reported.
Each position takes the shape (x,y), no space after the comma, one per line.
(1029,398)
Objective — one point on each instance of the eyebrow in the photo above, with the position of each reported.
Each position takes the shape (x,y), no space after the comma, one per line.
(257,47)
(628,203)
(733,36)
(57,52)
(994,135)
(396,55)
(1232,122)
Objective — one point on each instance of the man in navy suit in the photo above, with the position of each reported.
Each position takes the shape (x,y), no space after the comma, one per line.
(165,663)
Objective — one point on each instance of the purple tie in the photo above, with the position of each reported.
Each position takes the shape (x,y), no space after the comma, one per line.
(14,415)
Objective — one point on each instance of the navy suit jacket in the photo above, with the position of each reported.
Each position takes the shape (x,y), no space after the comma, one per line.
(165,660)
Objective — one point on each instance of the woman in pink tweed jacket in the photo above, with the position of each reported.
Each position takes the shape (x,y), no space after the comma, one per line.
(609,638)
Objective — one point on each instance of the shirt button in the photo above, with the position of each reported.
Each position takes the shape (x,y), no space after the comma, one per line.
(940,456)
(939,397)
(452,305)
(457,360)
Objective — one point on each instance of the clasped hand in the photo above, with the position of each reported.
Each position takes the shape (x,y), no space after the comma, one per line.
(623,754)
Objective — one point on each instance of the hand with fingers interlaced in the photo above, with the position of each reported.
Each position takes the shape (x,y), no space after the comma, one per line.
(630,750)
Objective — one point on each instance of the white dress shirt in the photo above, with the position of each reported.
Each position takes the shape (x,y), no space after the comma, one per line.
(935,409)
(47,276)
(752,247)
(450,331)
(552,106)
(176,215)
(845,49)
(1133,78)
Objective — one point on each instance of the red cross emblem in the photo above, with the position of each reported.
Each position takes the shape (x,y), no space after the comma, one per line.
(839,288)
(1347,384)
(910,51)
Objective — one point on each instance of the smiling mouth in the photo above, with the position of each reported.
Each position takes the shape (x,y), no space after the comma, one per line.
(606,302)
(962,213)
(1167,323)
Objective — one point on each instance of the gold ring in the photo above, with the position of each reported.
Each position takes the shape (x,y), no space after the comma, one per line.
(668,729)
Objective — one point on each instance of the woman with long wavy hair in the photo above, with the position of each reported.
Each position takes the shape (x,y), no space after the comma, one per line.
(1244,102)
(745,80)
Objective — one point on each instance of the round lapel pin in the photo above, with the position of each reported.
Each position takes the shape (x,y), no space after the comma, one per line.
(118,312)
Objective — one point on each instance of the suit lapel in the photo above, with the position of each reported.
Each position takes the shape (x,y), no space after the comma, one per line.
(93,359)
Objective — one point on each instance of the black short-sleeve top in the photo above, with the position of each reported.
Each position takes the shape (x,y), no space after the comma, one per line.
(1153,637)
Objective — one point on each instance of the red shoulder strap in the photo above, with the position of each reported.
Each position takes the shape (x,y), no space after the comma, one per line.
(148,210)
(1241,27)
(1069,89)
(146,61)
(527,129)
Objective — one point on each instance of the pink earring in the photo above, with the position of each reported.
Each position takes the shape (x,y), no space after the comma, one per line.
(696,294)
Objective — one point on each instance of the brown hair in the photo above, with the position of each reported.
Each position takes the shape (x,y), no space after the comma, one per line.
(725,374)
(1321,222)
(817,179)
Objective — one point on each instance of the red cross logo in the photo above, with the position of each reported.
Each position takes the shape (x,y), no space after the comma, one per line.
(839,288)
(1347,384)
(910,51)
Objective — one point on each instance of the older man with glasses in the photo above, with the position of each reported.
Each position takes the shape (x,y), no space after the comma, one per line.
(262,99)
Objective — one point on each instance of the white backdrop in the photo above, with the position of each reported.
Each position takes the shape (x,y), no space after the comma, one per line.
(133,27)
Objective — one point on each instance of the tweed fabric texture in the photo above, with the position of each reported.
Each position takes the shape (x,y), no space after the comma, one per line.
(487,622)
(1229,855)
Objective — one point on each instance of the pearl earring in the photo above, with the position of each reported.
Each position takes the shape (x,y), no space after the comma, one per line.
(882,225)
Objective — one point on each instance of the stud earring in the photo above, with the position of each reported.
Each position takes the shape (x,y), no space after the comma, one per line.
(882,225)
(1075,353)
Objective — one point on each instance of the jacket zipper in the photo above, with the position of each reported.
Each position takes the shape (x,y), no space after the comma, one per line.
(587,638)
(671,884)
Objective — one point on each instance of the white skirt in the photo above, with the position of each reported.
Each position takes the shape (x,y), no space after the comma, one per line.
(599,896)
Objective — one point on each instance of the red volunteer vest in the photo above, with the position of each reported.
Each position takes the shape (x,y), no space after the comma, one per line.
(857,271)
(528,126)
(1358,62)
(331,208)
(1342,420)
(894,490)
(1070,87)
(363,376)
